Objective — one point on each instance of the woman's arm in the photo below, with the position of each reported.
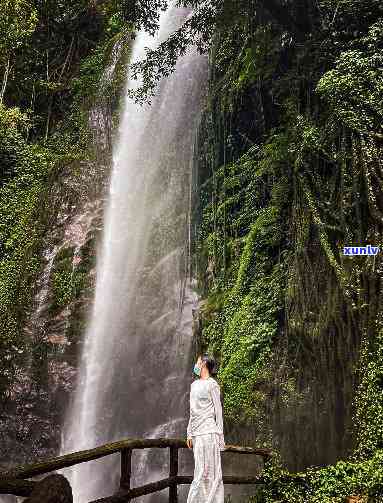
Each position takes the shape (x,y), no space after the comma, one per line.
(189,440)
(216,397)
(188,430)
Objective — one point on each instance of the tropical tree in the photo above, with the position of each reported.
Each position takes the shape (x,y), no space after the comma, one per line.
(18,19)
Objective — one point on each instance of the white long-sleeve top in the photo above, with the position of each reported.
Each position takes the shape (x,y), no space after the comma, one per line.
(206,409)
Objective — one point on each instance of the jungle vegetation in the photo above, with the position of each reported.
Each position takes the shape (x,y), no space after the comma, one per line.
(289,171)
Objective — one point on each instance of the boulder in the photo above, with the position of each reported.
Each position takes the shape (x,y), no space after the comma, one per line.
(54,488)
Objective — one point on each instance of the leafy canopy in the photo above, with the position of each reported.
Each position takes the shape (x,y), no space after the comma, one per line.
(18,19)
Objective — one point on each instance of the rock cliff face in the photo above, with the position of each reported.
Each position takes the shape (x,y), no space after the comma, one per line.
(37,400)
(32,414)
(282,183)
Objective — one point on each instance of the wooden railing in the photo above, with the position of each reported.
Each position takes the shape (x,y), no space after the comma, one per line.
(13,481)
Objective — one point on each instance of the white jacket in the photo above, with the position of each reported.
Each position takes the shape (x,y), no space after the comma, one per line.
(206,409)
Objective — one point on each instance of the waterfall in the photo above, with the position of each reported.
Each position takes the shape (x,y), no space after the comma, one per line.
(135,366)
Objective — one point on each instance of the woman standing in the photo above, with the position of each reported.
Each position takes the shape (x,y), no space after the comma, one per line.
(205,434)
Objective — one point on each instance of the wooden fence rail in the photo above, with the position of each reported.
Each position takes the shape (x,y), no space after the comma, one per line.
(12,481)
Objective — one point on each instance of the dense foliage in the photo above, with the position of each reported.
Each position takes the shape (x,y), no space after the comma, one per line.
(289,171)
(52,57)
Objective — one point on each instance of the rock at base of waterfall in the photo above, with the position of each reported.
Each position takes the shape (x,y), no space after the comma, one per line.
(52,489)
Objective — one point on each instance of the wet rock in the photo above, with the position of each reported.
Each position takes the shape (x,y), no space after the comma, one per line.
(33,410)
(53,489)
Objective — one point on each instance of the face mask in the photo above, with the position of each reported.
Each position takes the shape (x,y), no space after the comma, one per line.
(196,370)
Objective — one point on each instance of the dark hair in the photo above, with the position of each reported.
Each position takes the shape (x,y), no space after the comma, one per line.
(210,363)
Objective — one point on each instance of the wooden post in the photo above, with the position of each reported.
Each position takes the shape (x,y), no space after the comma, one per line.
(126,468)
(173,472)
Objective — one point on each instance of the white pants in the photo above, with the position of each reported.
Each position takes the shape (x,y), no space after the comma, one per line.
(207,484)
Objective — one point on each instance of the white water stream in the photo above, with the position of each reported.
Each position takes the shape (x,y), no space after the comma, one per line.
(135,369)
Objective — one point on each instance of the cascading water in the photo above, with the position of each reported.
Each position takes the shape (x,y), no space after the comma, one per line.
(134,375)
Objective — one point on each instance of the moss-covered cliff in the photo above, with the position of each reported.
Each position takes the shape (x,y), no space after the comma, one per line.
(288,172)
(55,159)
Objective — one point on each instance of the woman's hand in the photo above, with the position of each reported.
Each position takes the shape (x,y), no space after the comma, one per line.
(221,442)
(189,443)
